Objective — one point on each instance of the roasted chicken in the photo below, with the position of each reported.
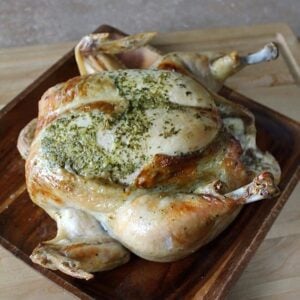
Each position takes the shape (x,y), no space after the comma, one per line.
(140,154)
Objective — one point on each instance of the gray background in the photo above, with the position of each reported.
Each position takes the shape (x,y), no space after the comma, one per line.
(27,22)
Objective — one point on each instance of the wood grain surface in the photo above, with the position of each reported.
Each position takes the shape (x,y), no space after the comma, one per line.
(275,270)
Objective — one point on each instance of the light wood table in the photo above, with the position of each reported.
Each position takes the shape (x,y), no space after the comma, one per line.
(273,273)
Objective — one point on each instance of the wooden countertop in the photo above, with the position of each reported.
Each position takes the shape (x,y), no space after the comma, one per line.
(273,273)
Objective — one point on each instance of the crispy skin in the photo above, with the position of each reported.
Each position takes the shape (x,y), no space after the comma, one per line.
(166,169)
(220,160)
(172,66)
(53,103)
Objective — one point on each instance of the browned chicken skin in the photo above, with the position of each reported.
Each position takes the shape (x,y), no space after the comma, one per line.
(149,161)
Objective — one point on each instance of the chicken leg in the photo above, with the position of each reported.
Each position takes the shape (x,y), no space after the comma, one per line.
(165,227)
(99,52)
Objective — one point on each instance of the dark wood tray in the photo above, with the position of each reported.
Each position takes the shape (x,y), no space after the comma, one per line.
(208,273)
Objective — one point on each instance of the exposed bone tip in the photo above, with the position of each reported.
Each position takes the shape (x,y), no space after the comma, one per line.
(272,48)
(269,52)
(262,187)
(265,183)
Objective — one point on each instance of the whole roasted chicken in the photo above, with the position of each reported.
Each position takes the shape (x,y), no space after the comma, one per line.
(140,154)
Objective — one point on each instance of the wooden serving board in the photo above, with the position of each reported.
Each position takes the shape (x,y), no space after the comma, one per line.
(211,271)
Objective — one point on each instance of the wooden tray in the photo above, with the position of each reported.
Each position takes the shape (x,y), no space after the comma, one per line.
(207,273)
